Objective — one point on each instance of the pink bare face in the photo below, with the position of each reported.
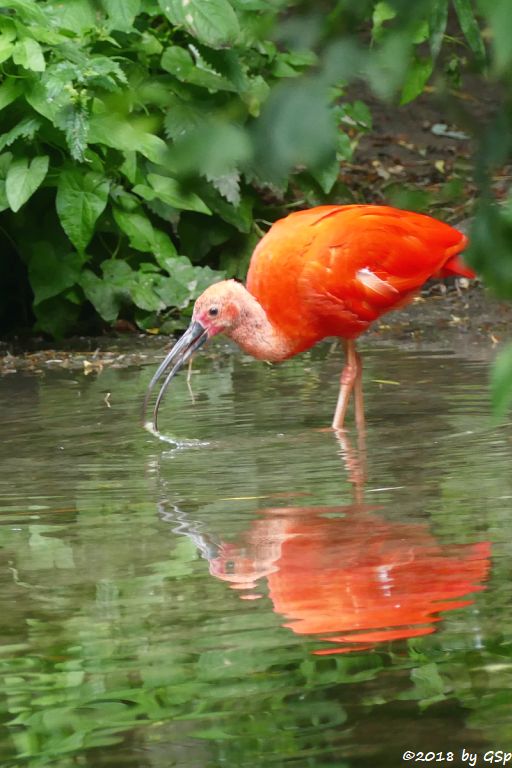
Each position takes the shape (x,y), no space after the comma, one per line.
(217,308)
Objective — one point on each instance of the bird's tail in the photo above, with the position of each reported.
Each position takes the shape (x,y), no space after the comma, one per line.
(455,267)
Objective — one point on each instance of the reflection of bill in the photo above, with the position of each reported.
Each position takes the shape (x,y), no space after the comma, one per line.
(349,577)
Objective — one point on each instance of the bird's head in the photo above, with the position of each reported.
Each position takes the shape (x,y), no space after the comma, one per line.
(217,310)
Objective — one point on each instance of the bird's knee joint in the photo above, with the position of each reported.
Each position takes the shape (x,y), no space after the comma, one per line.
(348,375)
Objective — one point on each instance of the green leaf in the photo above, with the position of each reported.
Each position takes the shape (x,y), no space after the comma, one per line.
(501,382)
(9,92)
(212,150)
(382,12)
(121,14)
(239,216)
(498,17)
(56,316)
(23,178)
(417,77)
(29,55)
(469,25)
(328,175)
(143,236)
(78,16)
(296,129)
(212,22)
(437,25)
(145,292)
(228,185)
(28,10)
(5,161)
(107,294)
(26,128)
(183,117)
(101,296)
(74,121)
(81,199)
(180,63)
(113,131)
(51,272)
(171,192)
(6,45)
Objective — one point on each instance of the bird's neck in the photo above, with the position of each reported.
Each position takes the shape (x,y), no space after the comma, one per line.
(258,336)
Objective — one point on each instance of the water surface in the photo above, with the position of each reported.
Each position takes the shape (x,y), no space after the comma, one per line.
(263,596)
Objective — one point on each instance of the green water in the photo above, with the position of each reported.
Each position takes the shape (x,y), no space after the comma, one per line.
(251,600)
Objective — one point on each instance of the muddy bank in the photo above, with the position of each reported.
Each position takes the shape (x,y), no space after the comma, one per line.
(466,321)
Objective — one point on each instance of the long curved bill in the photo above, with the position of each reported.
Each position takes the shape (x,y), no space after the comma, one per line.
(193,338)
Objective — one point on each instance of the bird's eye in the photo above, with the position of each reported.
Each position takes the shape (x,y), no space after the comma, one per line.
(213,311)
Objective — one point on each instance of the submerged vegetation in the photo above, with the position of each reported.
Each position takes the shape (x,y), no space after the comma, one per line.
(145,145)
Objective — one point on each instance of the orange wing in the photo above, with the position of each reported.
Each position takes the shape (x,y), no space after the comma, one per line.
(332,270)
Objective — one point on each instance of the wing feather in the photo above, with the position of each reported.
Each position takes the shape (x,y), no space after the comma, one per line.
(332,270)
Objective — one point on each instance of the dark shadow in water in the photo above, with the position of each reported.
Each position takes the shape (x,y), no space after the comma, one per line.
(342,574)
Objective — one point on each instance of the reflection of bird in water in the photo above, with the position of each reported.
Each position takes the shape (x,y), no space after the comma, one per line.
(327,271)
(347,576)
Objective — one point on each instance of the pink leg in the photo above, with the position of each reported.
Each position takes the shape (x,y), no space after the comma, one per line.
(351,379)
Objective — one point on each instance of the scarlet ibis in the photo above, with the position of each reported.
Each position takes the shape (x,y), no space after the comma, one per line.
(350,577)
(326,271)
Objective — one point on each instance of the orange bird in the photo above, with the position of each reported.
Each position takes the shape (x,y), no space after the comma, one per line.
(355,580)
(327,271)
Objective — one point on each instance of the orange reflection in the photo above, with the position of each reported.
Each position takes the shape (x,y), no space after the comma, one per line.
(349,577)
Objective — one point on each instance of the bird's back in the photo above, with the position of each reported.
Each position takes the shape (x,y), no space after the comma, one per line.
(332,270)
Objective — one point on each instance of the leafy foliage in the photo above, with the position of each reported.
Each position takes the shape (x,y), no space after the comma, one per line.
(127,127)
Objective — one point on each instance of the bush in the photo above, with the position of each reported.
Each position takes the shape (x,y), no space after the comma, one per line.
(138,141)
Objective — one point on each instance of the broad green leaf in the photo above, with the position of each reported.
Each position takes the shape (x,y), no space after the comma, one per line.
(121,14)
(212,22)
(180,63)
(37,96)
(142,235)
(23,178)
(51,272)
(107,294)
(78,16)
(501,382)
(417,77)
(172,192)
(29,55)
(145,294)
(102,296)
(6,47)
(81,199)
(113,131)
(328,175)
(9,92)
(466,14)
(56,316)
(183,117)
